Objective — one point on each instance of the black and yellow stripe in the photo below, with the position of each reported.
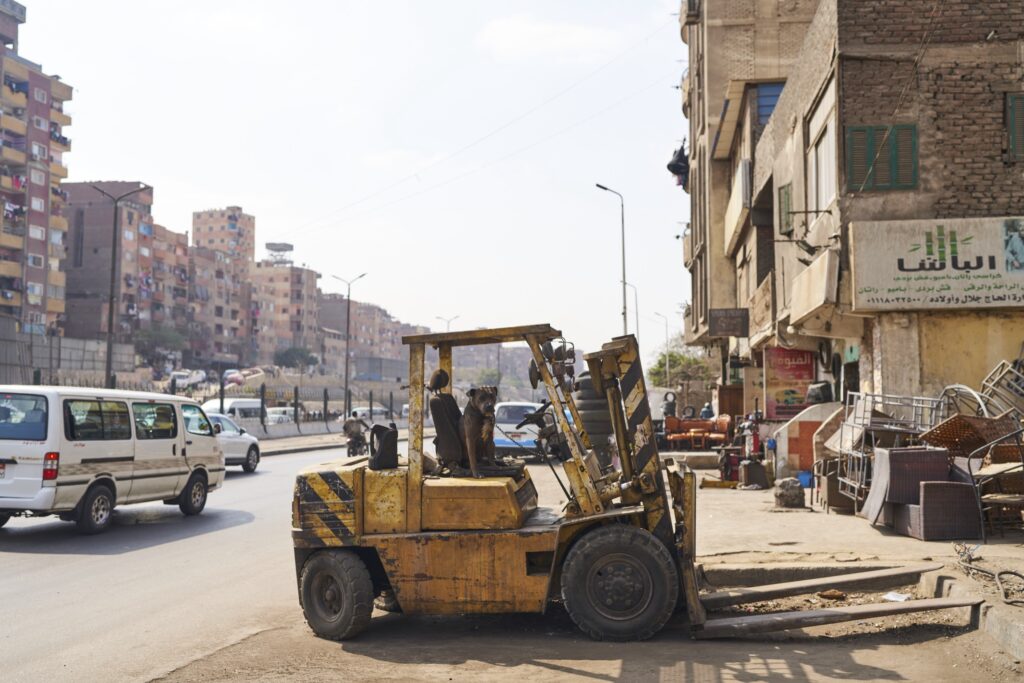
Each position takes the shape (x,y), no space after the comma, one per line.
(327,508)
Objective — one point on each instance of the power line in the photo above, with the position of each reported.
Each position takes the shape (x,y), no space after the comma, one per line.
(507,124)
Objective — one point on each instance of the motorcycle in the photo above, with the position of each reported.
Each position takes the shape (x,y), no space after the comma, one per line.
(356,445)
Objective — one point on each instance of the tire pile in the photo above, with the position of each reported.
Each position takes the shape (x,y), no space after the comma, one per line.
(593,409)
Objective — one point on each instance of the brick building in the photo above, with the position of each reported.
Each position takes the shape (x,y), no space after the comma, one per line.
(877,232)
(32,145)
(229,230)
(284,309)
(219,303)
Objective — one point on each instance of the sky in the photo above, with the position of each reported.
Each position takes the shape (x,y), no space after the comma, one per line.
(449,148)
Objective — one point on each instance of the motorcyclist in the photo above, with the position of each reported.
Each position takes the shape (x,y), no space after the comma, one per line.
(353,429)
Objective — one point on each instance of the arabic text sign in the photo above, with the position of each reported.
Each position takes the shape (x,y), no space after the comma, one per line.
(787,374)
(938,264)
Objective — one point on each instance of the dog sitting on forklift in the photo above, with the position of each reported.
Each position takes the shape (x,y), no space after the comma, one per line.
(477,427)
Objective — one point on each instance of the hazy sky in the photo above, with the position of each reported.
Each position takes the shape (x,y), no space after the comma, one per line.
(447,147)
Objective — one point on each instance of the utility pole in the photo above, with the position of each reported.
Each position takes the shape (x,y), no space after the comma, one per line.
(348,332)
(114,262)
(622,217)
(447,322)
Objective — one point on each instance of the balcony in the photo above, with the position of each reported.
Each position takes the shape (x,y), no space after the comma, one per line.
(9,298)
(60,90)
(12,240)
(55,305)
(12,183)
(57,116)
(9,155)
(60,142)
(10,269)
(687,248)
(13,124)
(15,69)
(738,208)
(57,251)
(10,98)
(56,278)
(59,223)
(58,170)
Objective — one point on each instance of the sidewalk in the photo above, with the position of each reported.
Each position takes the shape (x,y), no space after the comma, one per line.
(319,442)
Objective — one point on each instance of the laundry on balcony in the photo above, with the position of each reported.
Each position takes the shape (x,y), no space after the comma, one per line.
(679,166)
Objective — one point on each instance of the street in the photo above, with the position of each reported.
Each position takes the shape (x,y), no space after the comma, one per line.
(213,598)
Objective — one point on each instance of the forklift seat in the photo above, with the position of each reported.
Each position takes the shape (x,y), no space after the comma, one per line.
(444,410)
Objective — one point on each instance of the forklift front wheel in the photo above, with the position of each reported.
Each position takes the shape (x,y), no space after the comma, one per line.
(337,594)
(619,583)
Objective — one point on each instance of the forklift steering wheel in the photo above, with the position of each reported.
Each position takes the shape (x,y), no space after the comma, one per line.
(536,417)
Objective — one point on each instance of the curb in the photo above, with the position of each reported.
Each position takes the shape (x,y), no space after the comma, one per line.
(301,449)
(1002,623)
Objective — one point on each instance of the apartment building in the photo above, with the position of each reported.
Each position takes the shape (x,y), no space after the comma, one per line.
(220,298)
(284,310)
(376,349)
(151,283)
(876,240)
(32,145)
(229,230)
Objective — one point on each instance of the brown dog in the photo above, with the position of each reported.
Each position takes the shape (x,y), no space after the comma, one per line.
(478,426)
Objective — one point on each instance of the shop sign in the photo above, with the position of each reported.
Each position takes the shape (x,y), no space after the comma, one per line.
(729,322)
(787,375)
(938,264)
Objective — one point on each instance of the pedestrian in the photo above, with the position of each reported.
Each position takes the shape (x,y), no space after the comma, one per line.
(707,412)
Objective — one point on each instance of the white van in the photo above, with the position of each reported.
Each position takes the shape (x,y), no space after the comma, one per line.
(234,407)
(79,452)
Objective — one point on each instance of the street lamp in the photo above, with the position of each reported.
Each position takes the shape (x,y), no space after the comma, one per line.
(622,215)
(668,354)
(114,262)
(636,310)
(447,321)
(348,330)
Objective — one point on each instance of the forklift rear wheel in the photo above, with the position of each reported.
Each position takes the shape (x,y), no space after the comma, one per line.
(337,594)
(619,583)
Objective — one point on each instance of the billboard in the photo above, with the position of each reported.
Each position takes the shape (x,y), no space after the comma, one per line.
(787,374)
(938,264)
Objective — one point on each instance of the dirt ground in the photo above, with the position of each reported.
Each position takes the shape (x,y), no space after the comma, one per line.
(938,647)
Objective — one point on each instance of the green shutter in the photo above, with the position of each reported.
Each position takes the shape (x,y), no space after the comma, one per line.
(1015,124)
(881,157)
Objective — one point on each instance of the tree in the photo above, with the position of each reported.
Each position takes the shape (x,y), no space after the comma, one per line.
(154,343)
(295,357)
(488,377)
(685,365)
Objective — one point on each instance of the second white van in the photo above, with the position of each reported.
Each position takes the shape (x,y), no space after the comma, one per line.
(78,453)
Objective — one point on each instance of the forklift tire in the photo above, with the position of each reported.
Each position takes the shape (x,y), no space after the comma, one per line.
(619,583)
(336,594)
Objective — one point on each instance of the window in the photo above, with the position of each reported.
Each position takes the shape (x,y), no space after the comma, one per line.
(195,420)
(57,237)
(1015,125)
(129,235)
(41,95)
(881,157)
(35,260)
(155,421)
(144,251)
(55,292)
(40,123)
(22,417)
(39,150)
(785,209)
(36,233)
(86,420)
(37,176)
(38,204)
(767,98)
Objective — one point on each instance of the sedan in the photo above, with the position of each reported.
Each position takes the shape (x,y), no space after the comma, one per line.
(240,447)
(509,440)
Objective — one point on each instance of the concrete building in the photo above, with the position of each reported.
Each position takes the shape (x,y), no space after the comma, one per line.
(285,309)
(219,310)
(32,145)
(876,238)
(152,266)
(229,230)
(376,349)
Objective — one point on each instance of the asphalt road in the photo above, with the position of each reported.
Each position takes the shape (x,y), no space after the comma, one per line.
(155,591)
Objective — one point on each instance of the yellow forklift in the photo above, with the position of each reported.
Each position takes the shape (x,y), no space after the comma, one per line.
(619,556)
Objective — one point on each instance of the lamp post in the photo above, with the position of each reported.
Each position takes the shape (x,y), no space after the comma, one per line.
(348,330)
(668,353)
(114,262)
(447,322)
(636,310)
(622,217)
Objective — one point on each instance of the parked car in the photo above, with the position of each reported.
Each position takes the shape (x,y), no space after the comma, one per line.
(380,414)
(239,446)
(280,415)
(508,439)
(234,407)
(78,453)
